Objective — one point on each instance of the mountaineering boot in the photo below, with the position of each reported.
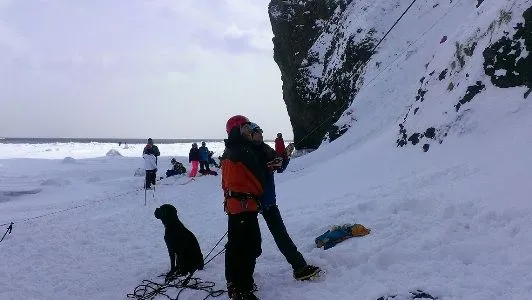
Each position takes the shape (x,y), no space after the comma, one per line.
(245,296)
(231,290)
(307,272)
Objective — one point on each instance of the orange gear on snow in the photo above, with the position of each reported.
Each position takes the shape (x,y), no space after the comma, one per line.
(359,230)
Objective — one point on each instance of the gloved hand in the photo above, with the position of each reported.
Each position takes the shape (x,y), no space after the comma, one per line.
(276,163)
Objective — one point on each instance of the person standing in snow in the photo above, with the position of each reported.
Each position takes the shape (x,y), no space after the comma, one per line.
(194,159)
(280,149)
(150,164)
(154,148)
(243,178)
(204,158)
(271,214)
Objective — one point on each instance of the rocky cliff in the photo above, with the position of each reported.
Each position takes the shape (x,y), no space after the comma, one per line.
(316,89)
(440,59)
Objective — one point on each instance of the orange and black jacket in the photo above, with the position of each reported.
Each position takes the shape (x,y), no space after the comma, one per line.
(243,176)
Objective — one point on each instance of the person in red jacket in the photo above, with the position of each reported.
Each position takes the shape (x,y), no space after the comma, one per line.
(280,148)
(243,180)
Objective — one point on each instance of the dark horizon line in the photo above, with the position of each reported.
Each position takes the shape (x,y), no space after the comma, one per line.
(41,140)
(96,138)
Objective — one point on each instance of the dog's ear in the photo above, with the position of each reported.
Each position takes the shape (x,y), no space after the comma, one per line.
(159,213)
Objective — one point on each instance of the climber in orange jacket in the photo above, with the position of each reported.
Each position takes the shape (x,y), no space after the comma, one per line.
(243,179)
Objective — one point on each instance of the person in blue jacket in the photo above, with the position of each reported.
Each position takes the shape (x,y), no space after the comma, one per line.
(204,158)
(271,214)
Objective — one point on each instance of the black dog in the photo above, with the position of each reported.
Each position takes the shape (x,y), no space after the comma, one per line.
(183,247)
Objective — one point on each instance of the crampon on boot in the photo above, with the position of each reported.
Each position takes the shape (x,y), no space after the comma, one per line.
(308,272)
(231,290)
(245,296)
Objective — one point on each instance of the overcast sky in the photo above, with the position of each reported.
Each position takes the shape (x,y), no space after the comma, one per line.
(136,68)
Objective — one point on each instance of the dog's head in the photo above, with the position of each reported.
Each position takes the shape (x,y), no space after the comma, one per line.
(166,213)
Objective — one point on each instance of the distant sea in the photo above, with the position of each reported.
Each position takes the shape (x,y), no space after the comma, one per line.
(99,140)
(102,140)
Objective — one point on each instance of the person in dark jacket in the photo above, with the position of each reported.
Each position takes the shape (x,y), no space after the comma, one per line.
(154,149)
(177,168)
(204,157)
(212,161)
(271,214)
(194,158)
(243,178)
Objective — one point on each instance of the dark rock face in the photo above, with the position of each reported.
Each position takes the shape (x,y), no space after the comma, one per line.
(471,92)
(442,75)
(421,95)
(416,137)
(508,64)
(504,61)
(321,56)
(316,101)
(430,133)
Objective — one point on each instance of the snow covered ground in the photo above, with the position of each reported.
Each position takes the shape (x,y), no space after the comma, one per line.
(452,221)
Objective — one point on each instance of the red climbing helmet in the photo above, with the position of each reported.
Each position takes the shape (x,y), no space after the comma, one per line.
(234,121)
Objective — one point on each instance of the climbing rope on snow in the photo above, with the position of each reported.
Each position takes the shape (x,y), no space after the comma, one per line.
(217,243)
(77,206)
(66,210)
(219,253)
(149,289)
(8,231)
